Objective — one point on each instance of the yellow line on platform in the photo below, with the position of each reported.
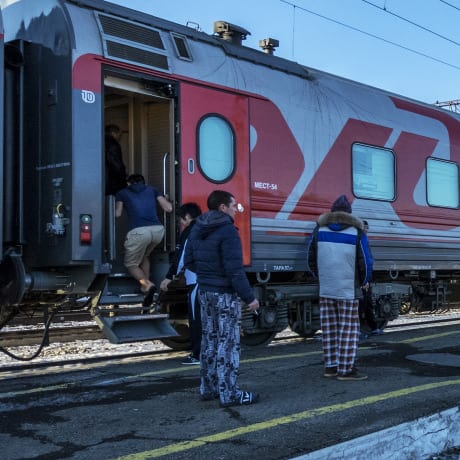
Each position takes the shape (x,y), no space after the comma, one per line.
(244,430)
(428,337)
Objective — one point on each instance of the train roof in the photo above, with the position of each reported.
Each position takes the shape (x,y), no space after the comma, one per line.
(237,51)
(233,50)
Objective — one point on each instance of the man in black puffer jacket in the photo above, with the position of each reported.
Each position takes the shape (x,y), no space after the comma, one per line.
(214,253)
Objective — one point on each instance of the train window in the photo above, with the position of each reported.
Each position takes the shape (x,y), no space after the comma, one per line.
(216,148)
(442,183)
(373,171)
(181,47)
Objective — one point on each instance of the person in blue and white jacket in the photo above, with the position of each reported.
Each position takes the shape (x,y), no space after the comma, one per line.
(339,256)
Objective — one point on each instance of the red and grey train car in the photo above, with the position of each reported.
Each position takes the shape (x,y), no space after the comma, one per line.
(200,112)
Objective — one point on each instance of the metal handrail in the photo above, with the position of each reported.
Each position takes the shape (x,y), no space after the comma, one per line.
(111,227)
(165,159)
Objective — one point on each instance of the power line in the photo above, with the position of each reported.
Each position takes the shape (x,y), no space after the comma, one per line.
(412,23)
(449,4)
(372,35)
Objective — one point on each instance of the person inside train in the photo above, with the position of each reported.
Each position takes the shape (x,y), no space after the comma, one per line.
(145,229)
(115,169)
(366,309)
(188,212)
(338,255)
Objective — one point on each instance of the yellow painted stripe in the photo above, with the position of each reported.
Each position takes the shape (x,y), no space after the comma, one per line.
(428,337)
(13,394)
(243,361)
(218,437)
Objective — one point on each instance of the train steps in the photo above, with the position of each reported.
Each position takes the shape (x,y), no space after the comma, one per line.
(121,289)
(122,318)
(135,328)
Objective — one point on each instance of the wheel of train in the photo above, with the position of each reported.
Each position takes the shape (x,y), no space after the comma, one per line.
(308,334)
(182,341)
(381,323)
(261,338)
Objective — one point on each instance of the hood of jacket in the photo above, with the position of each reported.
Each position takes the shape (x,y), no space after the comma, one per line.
(137,188)
(210,221)
(339,220)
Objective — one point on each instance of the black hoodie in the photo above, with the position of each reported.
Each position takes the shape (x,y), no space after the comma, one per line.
(214,253)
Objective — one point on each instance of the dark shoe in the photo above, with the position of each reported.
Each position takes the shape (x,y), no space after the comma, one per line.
(353,375)
(377,332)
(148,299)
(190,360)
(245,399)
(330,372)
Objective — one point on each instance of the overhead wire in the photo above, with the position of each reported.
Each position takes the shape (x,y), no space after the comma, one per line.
(356,29)
(450,4)
(386,10)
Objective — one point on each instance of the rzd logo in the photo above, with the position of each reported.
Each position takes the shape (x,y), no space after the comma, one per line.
(88,96)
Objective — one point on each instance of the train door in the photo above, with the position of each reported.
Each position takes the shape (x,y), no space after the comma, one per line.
(2,71)
(215,150)
(144,111)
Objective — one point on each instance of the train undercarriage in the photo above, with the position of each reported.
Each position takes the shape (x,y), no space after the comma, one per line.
(287,301)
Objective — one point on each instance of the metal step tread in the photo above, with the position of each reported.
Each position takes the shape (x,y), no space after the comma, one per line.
(135,327)
(142,317)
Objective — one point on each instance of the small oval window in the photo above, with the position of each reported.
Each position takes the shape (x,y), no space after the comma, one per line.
(216,148)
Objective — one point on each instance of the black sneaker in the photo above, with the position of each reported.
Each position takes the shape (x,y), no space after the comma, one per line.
(190,360)
(245,399)
(330,372)
(353,375)
(148,299)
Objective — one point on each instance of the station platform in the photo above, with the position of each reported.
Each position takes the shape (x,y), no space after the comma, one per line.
(149,407)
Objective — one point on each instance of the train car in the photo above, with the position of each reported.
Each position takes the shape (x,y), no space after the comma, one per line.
(200,112)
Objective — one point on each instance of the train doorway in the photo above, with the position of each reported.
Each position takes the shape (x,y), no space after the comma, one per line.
(144,111)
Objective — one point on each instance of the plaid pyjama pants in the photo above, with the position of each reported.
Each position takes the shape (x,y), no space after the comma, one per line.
(340,331)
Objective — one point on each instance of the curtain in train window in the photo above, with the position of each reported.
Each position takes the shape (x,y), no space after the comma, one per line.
(442,183)
(373,171)
(216,148)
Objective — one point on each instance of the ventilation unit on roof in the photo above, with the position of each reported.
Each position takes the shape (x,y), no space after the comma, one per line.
(230,32)
(130,42)
(269,45)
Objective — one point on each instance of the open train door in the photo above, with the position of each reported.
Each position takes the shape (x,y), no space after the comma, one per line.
(2,72)
(214,148)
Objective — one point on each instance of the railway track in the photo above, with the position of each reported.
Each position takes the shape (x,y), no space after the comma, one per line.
(20,337)
(84,343)
(78,327)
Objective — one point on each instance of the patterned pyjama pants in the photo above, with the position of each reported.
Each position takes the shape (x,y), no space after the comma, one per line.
(220,345)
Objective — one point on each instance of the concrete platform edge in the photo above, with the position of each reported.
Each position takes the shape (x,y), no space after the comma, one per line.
(420,439)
